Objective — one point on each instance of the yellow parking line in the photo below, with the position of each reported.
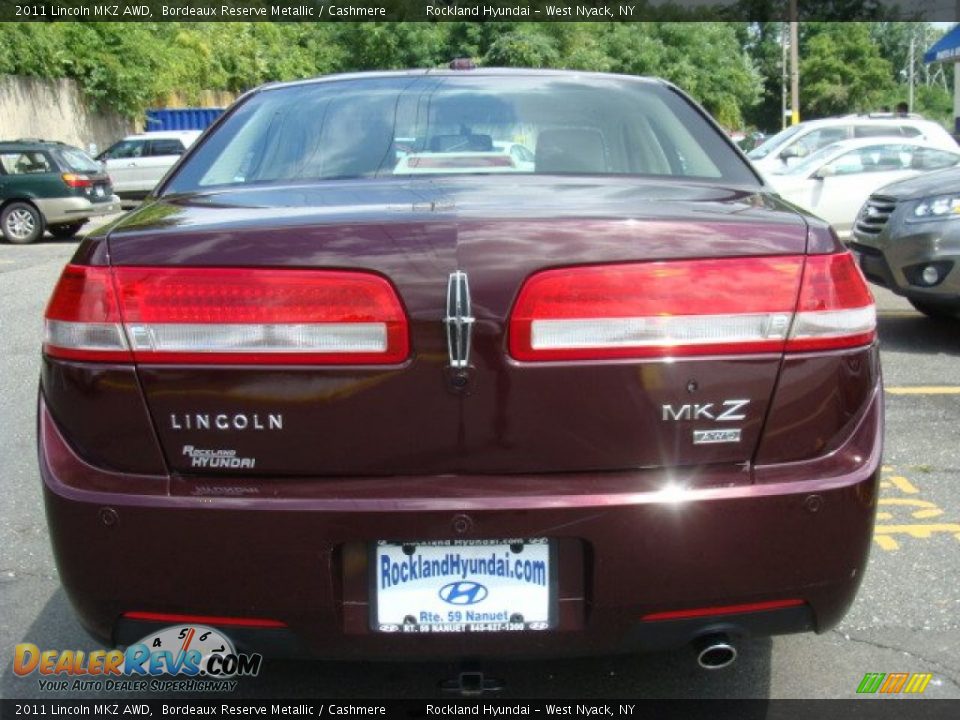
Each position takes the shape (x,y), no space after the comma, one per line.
(903,484)
(925,390)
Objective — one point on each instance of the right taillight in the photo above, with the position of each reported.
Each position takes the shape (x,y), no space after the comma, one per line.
(724,306)
(225,316)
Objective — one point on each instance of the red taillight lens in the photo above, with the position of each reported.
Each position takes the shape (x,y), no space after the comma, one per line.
(231,315)
(77,181)
(83,320)
(836,309)
(691,307)
(685,307)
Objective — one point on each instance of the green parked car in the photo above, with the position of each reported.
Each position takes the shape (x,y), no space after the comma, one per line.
(50,186)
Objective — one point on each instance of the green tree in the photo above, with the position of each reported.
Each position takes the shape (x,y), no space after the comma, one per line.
(841,70)
(705,60)
(762,42)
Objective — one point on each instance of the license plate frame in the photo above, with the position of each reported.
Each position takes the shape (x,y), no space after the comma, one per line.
(420,608)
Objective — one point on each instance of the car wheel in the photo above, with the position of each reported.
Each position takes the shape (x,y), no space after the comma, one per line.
(21,223)
(65,231)
(937,311)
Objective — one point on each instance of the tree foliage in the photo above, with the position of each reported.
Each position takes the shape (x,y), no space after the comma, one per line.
(842,70)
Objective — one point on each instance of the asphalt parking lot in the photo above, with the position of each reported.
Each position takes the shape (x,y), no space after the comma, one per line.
(906,617)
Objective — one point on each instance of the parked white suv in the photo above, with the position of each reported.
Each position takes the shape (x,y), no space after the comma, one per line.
(138,162)
(790,146)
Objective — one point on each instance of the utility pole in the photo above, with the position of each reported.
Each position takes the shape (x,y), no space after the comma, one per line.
(913,44)
(794,66)
(783,76)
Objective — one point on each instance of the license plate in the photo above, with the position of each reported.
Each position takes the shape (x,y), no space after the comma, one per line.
(463,586)
(98,191)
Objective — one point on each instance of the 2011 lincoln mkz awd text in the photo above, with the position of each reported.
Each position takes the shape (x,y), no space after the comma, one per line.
(618,398)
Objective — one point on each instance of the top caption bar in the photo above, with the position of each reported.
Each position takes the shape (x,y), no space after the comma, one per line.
(473,11)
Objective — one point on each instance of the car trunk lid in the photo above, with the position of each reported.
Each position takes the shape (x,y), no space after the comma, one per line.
(421,416)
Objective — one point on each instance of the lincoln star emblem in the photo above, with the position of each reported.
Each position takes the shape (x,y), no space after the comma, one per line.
(459,322)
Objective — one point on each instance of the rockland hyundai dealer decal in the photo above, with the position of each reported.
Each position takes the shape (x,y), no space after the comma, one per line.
(463,586)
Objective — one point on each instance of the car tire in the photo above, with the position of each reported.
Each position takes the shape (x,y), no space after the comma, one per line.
(21,223)
(65,231)
(937,311)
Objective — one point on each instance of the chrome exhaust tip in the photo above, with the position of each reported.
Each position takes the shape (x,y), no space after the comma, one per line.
(715,652)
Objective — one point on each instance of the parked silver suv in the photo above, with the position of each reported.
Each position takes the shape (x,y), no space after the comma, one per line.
(138,162)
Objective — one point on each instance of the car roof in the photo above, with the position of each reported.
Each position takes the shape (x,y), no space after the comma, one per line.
(855,143)
(163,135)
(868,120)
(34,143)
(474,72)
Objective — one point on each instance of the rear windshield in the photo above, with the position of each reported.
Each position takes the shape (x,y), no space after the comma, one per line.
(78,160)
(430,125)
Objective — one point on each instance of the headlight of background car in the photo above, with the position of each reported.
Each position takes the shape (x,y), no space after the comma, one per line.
(939,207)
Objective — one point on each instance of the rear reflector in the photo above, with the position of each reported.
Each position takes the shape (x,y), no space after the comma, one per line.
(177,618)
(723,610)
(225,315)
(692,307)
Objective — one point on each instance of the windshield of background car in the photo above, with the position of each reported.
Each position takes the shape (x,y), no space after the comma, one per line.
(124,149)
(429,125)
(768,145)
(78,161)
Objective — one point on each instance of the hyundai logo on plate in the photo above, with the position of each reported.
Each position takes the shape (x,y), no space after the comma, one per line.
(463,592)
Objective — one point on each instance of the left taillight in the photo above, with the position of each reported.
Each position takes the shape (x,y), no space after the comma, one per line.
(74,180)
(225,315)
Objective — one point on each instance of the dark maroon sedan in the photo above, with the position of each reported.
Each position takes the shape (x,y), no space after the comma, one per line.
(462,363)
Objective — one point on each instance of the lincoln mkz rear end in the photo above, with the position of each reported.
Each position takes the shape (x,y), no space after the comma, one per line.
(617,399)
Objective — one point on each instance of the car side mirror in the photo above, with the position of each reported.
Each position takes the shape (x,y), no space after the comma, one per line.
(824,172)
(789,153)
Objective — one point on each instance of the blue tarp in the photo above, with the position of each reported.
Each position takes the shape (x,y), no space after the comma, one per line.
(946,48)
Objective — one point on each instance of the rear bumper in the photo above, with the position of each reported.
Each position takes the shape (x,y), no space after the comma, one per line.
(795,531)
(75,209)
